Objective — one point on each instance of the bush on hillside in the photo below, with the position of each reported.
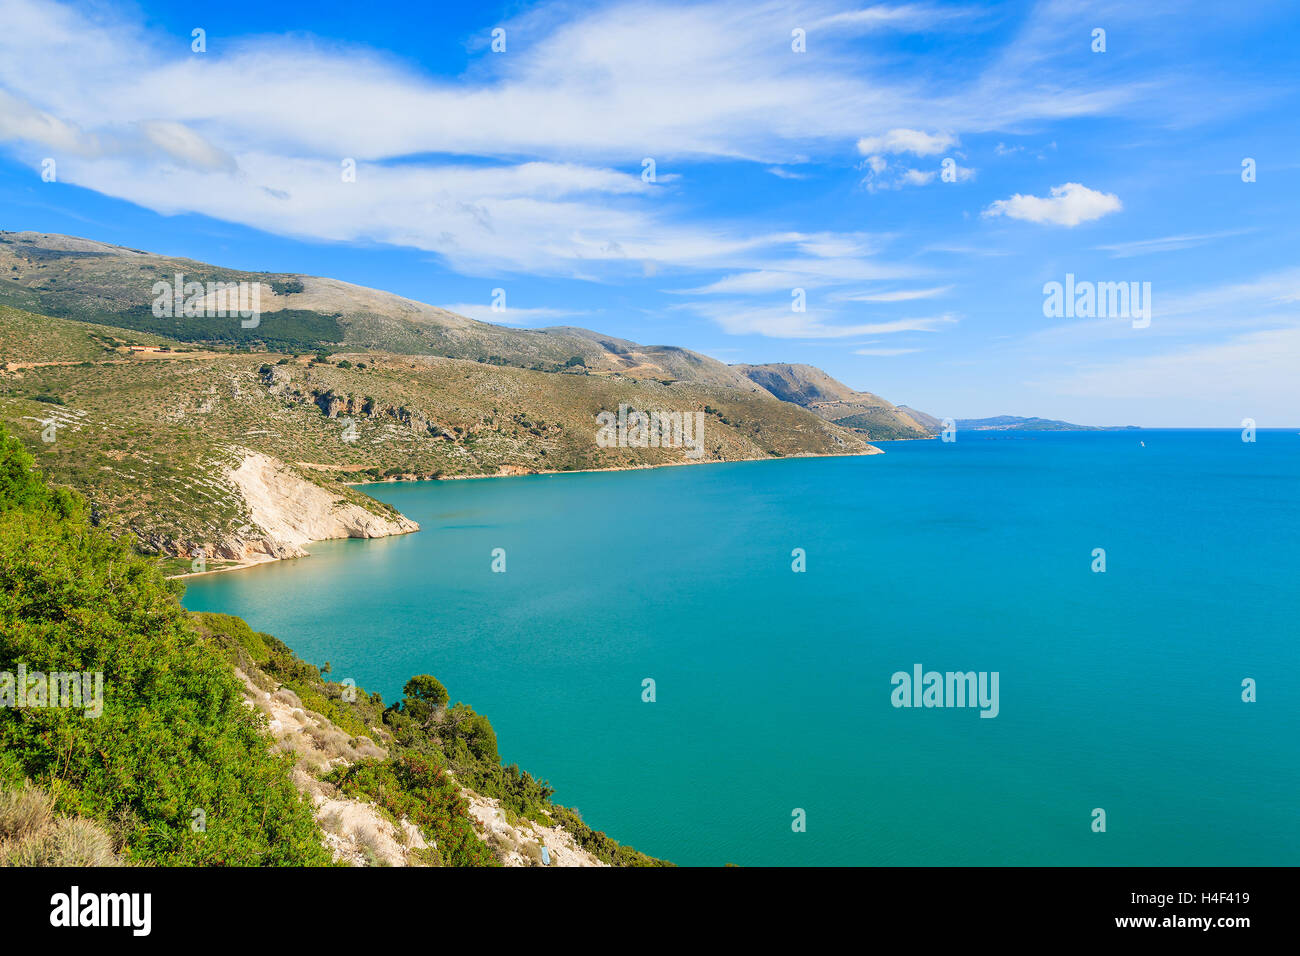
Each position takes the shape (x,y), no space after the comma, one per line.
(173,743)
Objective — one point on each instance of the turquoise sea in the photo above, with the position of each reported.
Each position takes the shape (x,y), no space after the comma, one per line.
(1119,690)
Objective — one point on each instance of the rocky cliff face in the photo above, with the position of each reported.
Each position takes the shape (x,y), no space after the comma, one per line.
(292,511)
(285,511)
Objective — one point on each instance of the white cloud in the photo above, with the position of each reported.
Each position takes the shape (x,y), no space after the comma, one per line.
(806,273)
(1069,205)
(906,141)
(907,17)
(484,312)
(962,174)
(780,321)
(253,131)
(21,121)
(183,145)
(907,176)
(723,80)
(1263,302)
(832,245)
(901,295)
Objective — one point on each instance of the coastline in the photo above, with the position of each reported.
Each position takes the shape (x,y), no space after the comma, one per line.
(517,471)
(236,566)
(505,473)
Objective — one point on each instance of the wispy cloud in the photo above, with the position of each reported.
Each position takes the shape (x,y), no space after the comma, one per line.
(254,131)
(898,295)
(1142,247)
(805,273)
(738,318)
(1221,382)
(510,315)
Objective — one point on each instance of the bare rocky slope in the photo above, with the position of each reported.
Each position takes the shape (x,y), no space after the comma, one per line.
(292,511)
(811,388)
(357,831)
(928,422)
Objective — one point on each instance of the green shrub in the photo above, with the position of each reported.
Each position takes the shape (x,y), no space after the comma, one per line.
(173,737)
(418,790)
(598,844)
(286,286)
(425,696)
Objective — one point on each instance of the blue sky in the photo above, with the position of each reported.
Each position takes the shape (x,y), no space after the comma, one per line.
(775,170)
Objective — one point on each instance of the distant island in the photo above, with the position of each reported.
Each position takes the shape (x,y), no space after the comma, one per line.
(1008,423)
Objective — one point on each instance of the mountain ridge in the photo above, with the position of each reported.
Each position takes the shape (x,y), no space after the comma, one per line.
(830,399)
(157,418)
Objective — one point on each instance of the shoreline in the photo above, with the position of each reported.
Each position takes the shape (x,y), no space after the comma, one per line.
(597,471)
(245,565)
(236,566)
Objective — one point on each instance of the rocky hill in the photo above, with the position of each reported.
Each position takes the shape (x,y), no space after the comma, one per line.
(203,437)
(928,422)
(90,281)
(809,387)
(245,456)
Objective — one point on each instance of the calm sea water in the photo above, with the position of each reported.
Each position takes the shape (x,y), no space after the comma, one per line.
(1118,690)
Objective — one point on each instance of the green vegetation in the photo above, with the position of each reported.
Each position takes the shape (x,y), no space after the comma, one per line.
(418,790)
(424,696)
(286,286)
(878,425)
(433,749)
(173,742)
(598,844)
(285,330)
(29,337)
(253,651)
